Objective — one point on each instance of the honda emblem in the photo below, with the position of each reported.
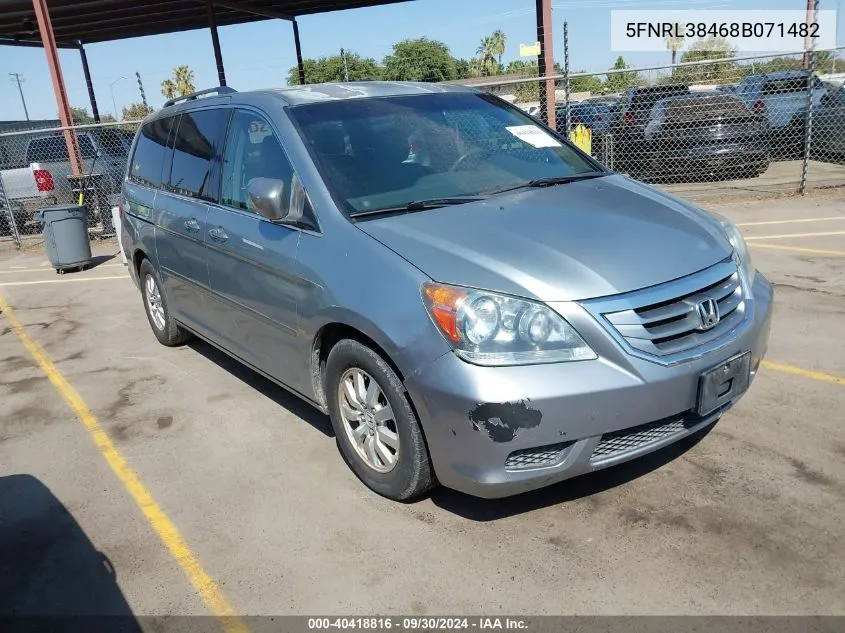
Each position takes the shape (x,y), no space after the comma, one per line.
(708,314)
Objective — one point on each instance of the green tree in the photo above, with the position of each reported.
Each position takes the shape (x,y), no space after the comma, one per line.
(588,83)
(711,48)
(80,116)
(485,58)
(621,81)
(180,83)
(465,68)
(136,111)
(327,69)
(420,60)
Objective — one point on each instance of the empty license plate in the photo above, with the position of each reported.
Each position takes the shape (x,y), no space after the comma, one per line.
(720,385)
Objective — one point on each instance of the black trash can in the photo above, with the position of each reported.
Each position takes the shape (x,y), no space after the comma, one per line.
(65,230)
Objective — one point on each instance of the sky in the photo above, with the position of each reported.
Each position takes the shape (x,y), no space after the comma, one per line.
(258,55)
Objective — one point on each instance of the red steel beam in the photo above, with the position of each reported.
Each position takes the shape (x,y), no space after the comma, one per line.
(546,60)
(45,27)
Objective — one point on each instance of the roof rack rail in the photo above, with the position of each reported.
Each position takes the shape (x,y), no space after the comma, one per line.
(219,90)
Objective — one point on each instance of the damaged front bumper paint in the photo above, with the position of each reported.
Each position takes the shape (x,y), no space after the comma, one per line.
(475,418)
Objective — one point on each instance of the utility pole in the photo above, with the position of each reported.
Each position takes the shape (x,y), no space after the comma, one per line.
(18,78)
(345,67)
(808,41)
(141,90)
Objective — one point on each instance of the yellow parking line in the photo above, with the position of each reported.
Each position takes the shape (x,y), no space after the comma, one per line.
(787,236)
(804,373)
(46,269)
(59,281)
(828,219)
(798,249)
(205,586)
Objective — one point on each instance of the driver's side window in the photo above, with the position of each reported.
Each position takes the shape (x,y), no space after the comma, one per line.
(252,151)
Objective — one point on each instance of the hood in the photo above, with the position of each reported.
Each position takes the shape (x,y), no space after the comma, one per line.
(581,240)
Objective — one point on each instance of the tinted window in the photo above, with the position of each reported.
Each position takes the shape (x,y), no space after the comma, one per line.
(252,151)
(785,86)
(54,148)
(115,142)
(645,98)
(150,152)
(195,145)
(385,152)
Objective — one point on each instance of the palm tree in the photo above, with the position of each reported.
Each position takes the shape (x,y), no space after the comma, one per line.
(675,42)
(486,57)
(497,43)
(181,83)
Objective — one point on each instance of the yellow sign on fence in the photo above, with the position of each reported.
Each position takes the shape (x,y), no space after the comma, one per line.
(582,136)
(529,50)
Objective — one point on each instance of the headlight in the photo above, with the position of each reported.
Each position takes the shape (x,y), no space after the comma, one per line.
(739,246)
(487,328)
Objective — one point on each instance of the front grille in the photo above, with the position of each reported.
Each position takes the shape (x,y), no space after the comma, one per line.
(627,440)
(536,457)
(664,320)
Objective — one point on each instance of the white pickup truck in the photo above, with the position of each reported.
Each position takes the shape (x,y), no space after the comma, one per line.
(44,180)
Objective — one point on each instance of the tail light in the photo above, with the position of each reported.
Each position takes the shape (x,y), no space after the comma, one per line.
(44,180)
(759,107)
(628,117)
(121,209)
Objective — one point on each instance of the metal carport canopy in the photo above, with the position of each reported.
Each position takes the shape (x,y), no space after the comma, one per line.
(90,21)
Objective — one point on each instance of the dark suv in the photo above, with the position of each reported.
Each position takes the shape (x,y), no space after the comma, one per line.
(621,144)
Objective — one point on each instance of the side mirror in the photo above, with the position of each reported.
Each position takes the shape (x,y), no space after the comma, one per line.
(267,196)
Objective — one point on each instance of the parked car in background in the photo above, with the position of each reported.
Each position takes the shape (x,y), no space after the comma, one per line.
(506,316)
(587,114)
(103,153)
(828,131)
(22,191)
(620,141)
(782,97)
(704,136)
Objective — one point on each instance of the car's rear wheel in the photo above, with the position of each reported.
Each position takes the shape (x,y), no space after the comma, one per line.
(376,428)
(164,326)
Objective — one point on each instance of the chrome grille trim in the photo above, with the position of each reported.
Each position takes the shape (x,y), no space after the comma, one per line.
(661,323)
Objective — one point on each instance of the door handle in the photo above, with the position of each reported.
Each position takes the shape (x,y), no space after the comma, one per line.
(192,225)
(218,234)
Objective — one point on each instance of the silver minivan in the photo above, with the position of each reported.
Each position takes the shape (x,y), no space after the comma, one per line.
(470,298)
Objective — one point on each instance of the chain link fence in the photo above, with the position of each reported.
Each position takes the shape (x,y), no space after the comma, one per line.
(707,128)
(78,165)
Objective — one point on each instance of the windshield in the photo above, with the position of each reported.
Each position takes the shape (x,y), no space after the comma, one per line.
(383,153)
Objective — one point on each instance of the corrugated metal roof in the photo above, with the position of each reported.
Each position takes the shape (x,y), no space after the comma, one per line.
(90,21)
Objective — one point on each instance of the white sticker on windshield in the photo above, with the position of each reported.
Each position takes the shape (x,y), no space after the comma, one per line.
(533,135)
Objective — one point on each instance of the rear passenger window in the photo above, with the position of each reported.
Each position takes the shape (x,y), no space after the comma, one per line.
(195,146)
(150,152)
(252,151)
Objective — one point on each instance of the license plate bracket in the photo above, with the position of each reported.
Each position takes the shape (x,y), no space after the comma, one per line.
(723,383)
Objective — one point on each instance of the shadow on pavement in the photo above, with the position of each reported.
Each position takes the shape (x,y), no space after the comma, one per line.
(277,394)
(100,259)
(52,577)
(481,510)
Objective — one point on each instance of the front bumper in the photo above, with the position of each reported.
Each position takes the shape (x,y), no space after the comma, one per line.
(574,416)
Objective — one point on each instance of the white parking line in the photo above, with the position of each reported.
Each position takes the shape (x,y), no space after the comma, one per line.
(788,236)
(841,218)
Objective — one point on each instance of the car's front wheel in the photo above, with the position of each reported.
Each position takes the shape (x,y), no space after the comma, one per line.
(164,326)
(376,428)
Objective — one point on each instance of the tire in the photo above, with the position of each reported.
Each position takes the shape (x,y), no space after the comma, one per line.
(410,474)
(162,323)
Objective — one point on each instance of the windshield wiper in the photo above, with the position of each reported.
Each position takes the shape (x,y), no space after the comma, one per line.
(419,205)
(555,180)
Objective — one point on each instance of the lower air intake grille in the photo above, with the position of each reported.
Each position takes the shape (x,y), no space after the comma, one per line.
(536,457)
(627,440)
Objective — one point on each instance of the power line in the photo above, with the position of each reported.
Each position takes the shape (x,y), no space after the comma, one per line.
(19,78)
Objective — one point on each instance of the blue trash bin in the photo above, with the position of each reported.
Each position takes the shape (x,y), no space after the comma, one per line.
(65,230)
